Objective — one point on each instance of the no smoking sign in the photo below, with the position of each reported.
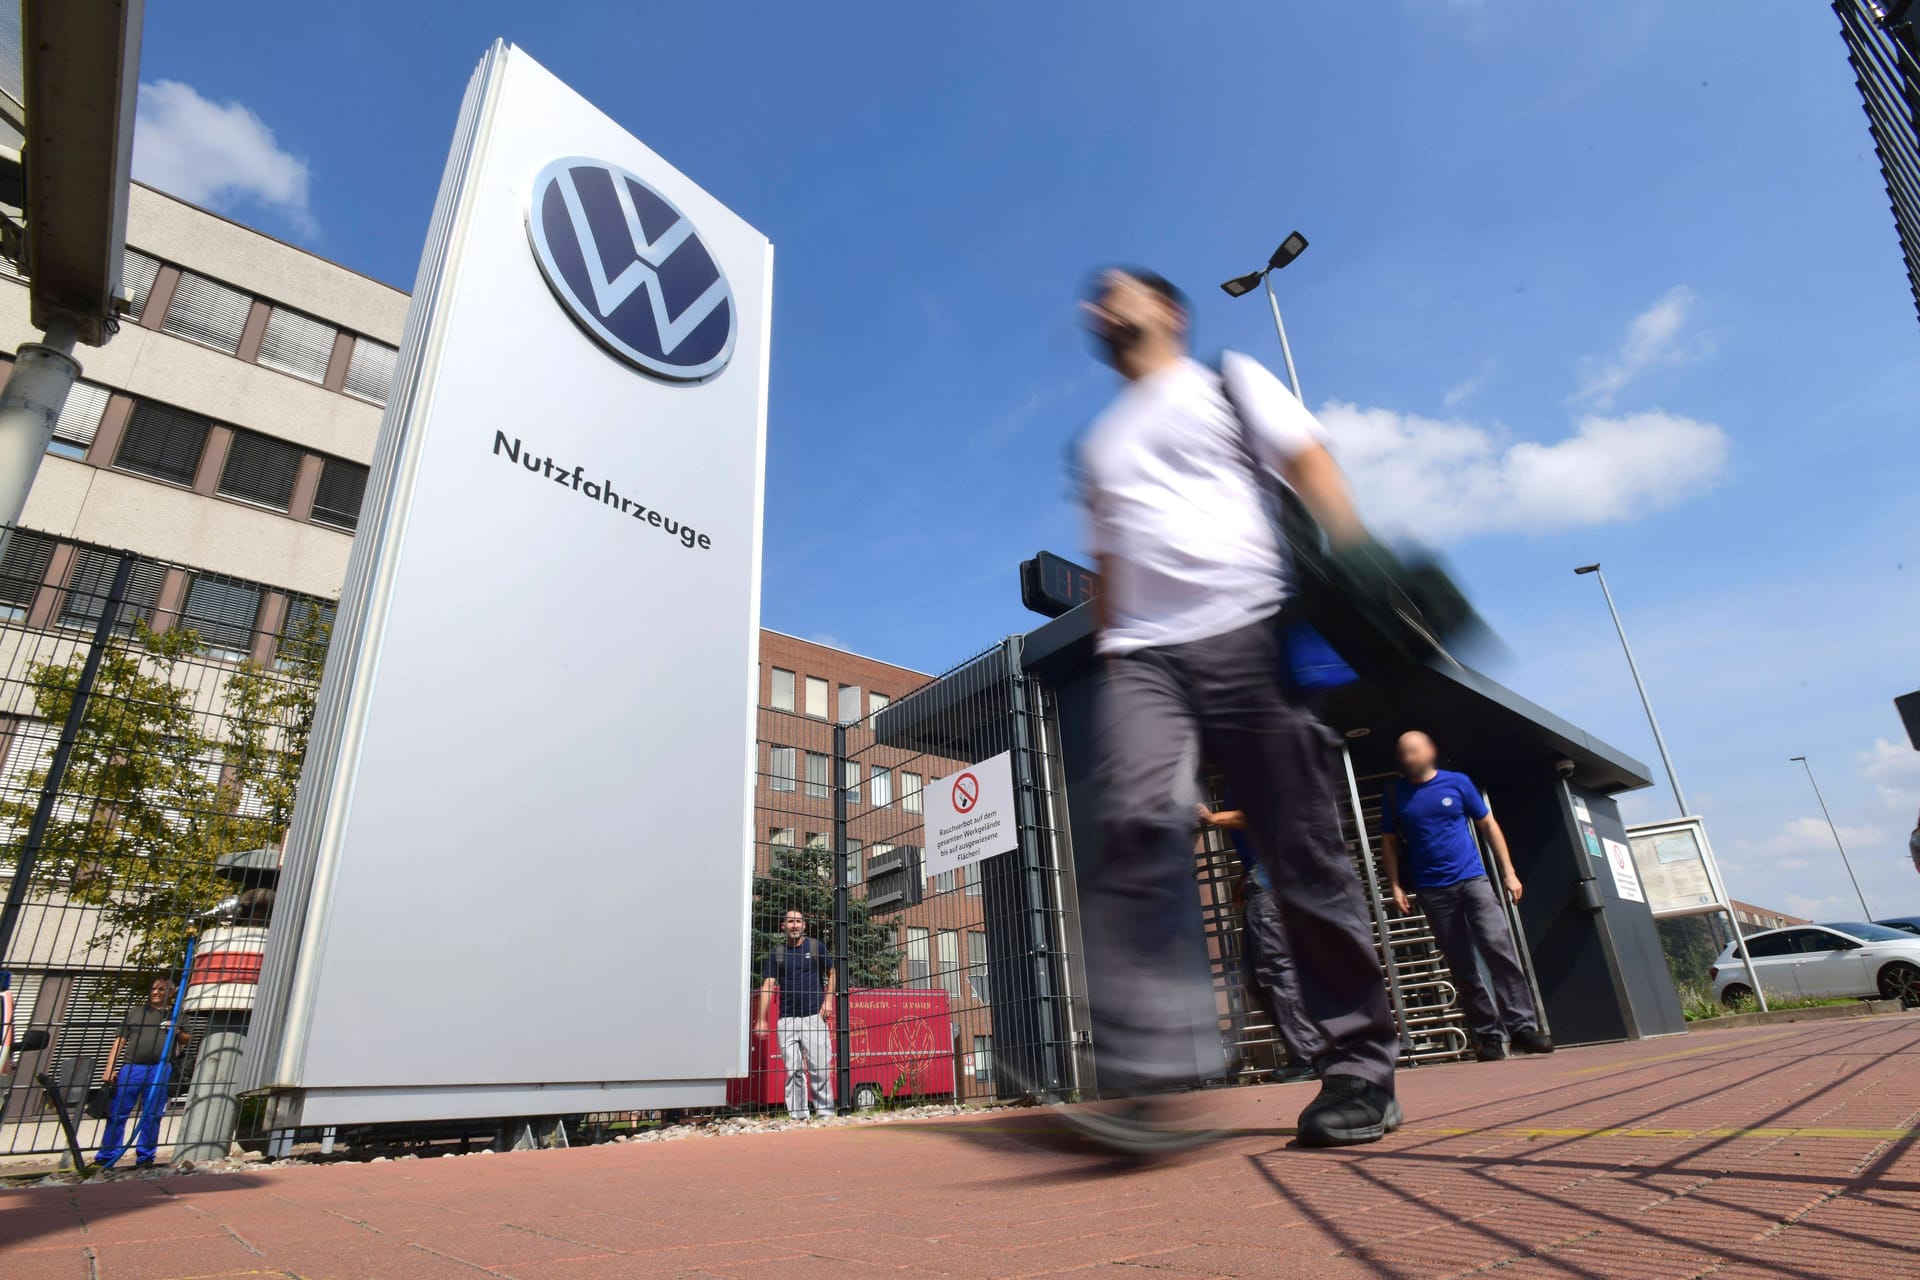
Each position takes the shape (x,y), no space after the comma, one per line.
(970,815)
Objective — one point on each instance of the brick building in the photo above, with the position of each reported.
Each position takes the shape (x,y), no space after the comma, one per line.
(935,925)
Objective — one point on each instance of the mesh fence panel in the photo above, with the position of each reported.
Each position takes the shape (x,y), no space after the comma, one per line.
(149,752)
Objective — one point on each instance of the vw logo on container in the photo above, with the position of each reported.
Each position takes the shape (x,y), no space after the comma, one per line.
(630,269)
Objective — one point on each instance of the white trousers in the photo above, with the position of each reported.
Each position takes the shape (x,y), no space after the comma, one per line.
(806,1046)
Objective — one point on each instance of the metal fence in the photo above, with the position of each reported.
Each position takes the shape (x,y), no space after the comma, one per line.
(153,717)
(948,986)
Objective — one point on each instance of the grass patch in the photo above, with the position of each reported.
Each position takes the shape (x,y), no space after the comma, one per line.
(1698,1004)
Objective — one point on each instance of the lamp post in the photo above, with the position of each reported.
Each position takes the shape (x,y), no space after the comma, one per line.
(1714,880)
(1673,780)
(1866,912)
(1240,286)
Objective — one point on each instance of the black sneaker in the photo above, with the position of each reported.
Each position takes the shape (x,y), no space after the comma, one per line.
(1348,1111)
(1490,1049)
(1533,1040)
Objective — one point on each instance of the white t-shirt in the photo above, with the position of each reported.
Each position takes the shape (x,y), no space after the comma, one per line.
(1184,529)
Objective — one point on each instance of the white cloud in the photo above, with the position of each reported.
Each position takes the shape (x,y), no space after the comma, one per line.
(1801,839)
(1451,479)
(214,154)
(1655,338)
(1464,390)
(1894,770)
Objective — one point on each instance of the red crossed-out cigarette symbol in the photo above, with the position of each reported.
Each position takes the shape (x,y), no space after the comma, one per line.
(966,792)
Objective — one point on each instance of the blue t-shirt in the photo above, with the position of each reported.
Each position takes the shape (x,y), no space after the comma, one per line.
(1431,818)
(802,974)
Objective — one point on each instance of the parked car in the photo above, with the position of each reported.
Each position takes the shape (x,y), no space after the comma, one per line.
(1862,960)
(1905,924)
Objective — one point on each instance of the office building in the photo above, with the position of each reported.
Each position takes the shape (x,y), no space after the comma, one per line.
(1883,44)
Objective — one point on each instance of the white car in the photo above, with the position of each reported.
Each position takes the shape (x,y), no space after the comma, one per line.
(1823,960)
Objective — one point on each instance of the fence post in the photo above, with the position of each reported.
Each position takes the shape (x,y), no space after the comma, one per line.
(842,931)
(63,754)
(1039,937)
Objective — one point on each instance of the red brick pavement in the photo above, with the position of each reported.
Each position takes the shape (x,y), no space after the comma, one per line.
(1782,1151)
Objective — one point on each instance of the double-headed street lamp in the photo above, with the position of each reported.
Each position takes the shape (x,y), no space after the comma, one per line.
(1239,286)
(1866,913)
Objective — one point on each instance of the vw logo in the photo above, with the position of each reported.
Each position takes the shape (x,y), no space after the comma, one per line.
(629,267)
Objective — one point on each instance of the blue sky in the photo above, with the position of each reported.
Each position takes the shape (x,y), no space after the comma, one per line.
(1610,282)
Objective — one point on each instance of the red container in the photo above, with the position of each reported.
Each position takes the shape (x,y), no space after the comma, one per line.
(902,1044)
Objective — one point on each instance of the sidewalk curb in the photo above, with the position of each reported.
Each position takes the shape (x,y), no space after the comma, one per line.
(1823,1013)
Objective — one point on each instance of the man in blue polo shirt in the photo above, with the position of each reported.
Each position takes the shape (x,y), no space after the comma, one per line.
(1429,845)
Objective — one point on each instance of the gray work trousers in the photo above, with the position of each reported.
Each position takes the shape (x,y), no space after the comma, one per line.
(1275,975)
(1470,927)
(1142,904)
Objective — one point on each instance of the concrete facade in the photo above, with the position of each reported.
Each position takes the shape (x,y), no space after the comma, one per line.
(94,498)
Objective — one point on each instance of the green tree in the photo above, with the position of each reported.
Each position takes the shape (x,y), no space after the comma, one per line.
(158,790)
(803,879)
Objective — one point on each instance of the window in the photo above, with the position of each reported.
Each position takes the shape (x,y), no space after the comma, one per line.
(337,498)
(79,419)
(781,836)
(782,690)
(847,704)
(918,959)
(370,370)
(816,840)
(881,788)
(92,581)
(852,782)
(305,632)
(910,791)
(1767,946)
(819,775)
(137,271)
(876,703)
(855,864)
(817,697)
(22,569)
(941,882)
(224,612)
(297,344)
(977,966)
(983,1059)
(780,765)
(952,980)
(260,469)
(971,874)
(208,311)
(163,442)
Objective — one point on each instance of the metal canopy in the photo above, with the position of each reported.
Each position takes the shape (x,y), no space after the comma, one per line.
(1482,727)
(82,76)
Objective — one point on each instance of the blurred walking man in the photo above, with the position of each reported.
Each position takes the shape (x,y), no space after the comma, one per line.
(800,974)
(1193,577)
(1429,845)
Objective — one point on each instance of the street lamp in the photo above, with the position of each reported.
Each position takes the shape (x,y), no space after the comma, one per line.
(1714,880)
(1290,248)
(1866,912)
(1673,779)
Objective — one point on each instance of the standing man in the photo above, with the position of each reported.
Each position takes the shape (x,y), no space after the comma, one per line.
(1271,968)
(1193,576)
(137,1073)
(1429,844)
(799,972)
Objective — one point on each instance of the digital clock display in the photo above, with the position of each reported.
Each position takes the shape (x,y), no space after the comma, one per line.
(1052,585)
